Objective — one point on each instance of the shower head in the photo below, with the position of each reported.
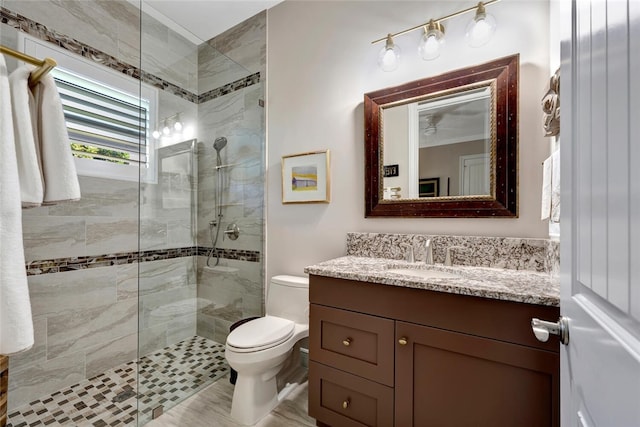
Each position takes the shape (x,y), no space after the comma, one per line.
(220,143)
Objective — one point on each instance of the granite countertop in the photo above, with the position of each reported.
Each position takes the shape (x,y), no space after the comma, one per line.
(510,285)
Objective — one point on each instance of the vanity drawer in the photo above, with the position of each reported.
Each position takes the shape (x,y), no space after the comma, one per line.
(358,343)
(340,399)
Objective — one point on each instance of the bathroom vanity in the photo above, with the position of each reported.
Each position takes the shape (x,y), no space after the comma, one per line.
(392,344)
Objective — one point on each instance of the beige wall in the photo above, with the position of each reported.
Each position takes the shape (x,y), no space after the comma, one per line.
(320,62)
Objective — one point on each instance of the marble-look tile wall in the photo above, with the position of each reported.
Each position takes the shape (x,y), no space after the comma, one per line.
(88,321)
(109,32)
(239,56)
(231,292)
(539,255)
(234,54)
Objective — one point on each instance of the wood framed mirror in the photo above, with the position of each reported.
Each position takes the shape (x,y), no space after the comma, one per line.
(445,146)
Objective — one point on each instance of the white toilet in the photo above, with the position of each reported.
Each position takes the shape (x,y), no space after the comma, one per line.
(258,349)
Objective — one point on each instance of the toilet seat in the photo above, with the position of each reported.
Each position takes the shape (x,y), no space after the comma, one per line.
(260,334)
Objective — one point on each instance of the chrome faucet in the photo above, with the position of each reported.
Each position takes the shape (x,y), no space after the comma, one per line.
(428,256)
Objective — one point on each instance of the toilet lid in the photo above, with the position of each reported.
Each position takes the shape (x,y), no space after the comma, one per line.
(263,332)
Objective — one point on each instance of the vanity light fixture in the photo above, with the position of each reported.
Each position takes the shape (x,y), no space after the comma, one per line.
(480,29)
(171,126)
(432,40)
(389,55)
(478,32)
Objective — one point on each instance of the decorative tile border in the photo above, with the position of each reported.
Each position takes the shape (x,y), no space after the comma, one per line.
(500,252)
(235,254)
(58,265)
(29,26)
(229,88)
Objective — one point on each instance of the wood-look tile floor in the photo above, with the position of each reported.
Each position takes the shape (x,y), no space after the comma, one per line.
(211,406)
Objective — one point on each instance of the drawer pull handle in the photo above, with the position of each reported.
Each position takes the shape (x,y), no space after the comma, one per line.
(403,341)
(347,342)
(346,404)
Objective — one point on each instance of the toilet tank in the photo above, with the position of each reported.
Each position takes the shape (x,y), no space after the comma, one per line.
(288,297)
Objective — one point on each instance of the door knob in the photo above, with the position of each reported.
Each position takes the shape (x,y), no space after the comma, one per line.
(542,329)
(403,341)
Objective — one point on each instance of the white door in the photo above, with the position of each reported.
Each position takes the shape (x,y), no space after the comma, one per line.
(474,174)
(600,244)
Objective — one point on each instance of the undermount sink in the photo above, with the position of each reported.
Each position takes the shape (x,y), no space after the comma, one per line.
(425,274)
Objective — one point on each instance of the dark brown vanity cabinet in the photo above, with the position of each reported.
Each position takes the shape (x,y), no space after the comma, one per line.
(394,356)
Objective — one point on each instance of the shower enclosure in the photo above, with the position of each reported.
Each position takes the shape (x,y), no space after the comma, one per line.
(129,317)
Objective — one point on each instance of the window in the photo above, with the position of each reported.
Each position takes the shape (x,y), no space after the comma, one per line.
(109,115)
(103,123)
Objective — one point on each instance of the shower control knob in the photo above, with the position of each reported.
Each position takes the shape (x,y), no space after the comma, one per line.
(232,231)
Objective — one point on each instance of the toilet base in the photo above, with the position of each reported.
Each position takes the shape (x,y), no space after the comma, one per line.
(253,398)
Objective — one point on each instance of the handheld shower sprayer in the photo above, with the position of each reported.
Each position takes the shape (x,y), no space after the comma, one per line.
(218,145)
(214,225)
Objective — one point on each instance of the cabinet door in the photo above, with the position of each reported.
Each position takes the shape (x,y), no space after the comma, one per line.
(446,378)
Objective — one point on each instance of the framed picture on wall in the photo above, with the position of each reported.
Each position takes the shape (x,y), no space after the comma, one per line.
(429,187)
(306,177)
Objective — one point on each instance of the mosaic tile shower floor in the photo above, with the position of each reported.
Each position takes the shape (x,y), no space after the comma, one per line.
(166,378)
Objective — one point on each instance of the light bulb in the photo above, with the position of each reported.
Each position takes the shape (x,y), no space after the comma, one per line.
(432,41)
(480,29)
(156,134)
(389,55)
(166,131)
(177,124)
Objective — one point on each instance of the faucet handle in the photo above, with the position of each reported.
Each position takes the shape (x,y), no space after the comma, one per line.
(448,259)
(409,256)
(428,257)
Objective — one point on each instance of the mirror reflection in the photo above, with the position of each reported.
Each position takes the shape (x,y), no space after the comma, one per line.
(439,146)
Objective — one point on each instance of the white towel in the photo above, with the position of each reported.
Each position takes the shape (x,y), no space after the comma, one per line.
(551,188)
(546,189)
(26,147)
(45,162)
(58,168)
(555,186)
(16,325)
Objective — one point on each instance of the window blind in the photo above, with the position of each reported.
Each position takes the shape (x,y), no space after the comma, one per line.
(103,123)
